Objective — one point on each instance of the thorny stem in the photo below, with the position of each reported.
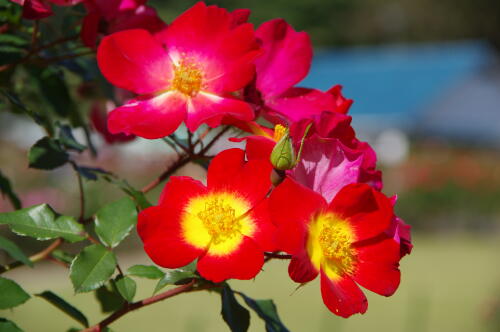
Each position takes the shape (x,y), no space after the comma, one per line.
(183,160)
(35,258)
(271,255)
(215,139)
(36,50)
(128,307)
(82,193)
(179,144)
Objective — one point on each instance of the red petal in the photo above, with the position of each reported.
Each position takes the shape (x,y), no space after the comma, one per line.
(159,229)
(90,27)
(36,9)
(135,61)
(265,231)
(228,171)
(211,109)
(292,207)
(239,16)
(342,297)
(301,268)
(377,267)
(149,118)
(368,211)
(179,190)
(243,263)
(259,147)
(284,49)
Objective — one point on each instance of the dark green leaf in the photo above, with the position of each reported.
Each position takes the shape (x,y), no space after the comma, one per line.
(8,326)
(146,271)
(65,307)
(266,309)
(138,196)
(53,87)
(109,298)
(63,256)
(114,221)
(177,277)
(6,189)
(12,294)
(14,251)
(90,173)
(40,119)
(47,154)
(127,287)
(233,313)
(40,222)
(92,268)
(67,139)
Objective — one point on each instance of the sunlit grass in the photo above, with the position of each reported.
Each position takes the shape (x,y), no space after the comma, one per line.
(447,284)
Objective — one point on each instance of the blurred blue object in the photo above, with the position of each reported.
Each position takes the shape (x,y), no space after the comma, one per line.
(397,86)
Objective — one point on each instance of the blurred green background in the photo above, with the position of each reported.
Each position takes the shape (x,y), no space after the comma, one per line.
(444,166)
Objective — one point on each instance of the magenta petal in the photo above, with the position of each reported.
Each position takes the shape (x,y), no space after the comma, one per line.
(210,109)
(149,118)
(133,60)
(325,166)
(286,59)
(300,103)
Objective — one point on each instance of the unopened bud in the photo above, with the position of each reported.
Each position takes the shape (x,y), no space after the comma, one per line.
(283,154)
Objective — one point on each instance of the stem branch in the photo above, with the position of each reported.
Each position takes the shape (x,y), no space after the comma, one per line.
(128,307)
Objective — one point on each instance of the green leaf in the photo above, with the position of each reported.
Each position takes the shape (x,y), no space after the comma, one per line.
(177,277)
(63,256)
(92,268)
(146,271)
(40,222)
(233,313)
(12,294)
(47,154)
(127,287)
(67,139)
(53,87)
(65,307)
(14,251)
(109,298)
(8,326)
(114,221)
(138,196)
(39,118)
(266,309)
(6,189)
(90,173)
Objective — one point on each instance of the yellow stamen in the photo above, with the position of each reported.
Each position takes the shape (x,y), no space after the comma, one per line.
(188,77)
(220,220)
(335,239)
(279,132)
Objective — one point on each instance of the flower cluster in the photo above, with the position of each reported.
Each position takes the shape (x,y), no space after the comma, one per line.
(304,187)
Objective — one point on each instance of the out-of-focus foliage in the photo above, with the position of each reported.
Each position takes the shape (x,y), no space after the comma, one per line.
(350,22)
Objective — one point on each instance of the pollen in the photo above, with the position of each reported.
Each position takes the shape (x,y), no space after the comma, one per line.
(335,240)
(188,77)
(220,220)
(279,132)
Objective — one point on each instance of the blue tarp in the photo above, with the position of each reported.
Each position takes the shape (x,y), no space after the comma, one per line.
(394,84)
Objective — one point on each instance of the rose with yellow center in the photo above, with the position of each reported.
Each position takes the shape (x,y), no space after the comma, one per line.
(344,241)
(225,225)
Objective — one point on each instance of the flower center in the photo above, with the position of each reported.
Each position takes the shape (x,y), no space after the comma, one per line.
(279,132)
(220,220)
(335,241)
(187,77)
